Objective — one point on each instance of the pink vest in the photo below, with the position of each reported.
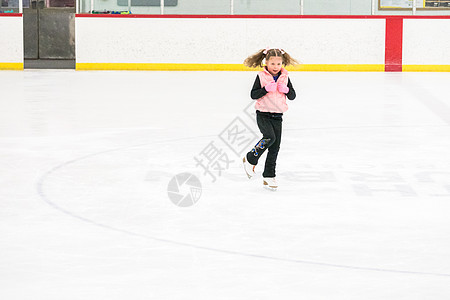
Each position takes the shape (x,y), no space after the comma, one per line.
(272,101)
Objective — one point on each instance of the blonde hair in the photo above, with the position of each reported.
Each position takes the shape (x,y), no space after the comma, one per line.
(255,60)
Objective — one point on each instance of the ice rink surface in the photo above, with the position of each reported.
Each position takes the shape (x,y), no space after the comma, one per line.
(362,210)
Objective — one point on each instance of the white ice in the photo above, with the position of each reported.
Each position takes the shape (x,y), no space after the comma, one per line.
(362,210)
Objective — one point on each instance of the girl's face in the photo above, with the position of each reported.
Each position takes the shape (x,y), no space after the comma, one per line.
(274,64)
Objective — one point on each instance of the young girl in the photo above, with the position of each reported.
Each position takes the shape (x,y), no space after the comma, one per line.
(271,87)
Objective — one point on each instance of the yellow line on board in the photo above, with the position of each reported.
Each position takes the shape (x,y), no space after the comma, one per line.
(224,67)
(426,68)
(11,66)
(160,67)
(340,68)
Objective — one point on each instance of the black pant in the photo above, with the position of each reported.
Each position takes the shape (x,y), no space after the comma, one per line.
(270,126)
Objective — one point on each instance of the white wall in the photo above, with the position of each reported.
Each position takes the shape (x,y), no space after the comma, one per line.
(11,39)
(227,41)
(426,41)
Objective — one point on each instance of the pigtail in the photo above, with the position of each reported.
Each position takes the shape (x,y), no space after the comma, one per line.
(255,60)
(289,60)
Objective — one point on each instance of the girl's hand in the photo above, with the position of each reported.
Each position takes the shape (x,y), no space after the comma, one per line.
(282,88)
(271,87)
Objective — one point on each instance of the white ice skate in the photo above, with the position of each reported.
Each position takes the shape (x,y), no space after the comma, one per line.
(249,168)
(270,183)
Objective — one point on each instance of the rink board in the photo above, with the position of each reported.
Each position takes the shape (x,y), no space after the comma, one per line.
(426,43)
(196,43)
(11,42)
(221,43)
(215,43)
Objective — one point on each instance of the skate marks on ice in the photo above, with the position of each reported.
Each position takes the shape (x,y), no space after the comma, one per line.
(49,175)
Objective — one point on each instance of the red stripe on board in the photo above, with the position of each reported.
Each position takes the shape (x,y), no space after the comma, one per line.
(394,41)
(228,16)
(426,17)
(10,15)
(256,16)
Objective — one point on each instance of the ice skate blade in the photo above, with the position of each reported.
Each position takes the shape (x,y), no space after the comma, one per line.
(270,188)
(248,175)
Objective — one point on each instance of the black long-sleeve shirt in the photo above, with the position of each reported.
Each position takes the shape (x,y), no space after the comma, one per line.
(258,91)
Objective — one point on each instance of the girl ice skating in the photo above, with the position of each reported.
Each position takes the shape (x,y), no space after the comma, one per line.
(272,86)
